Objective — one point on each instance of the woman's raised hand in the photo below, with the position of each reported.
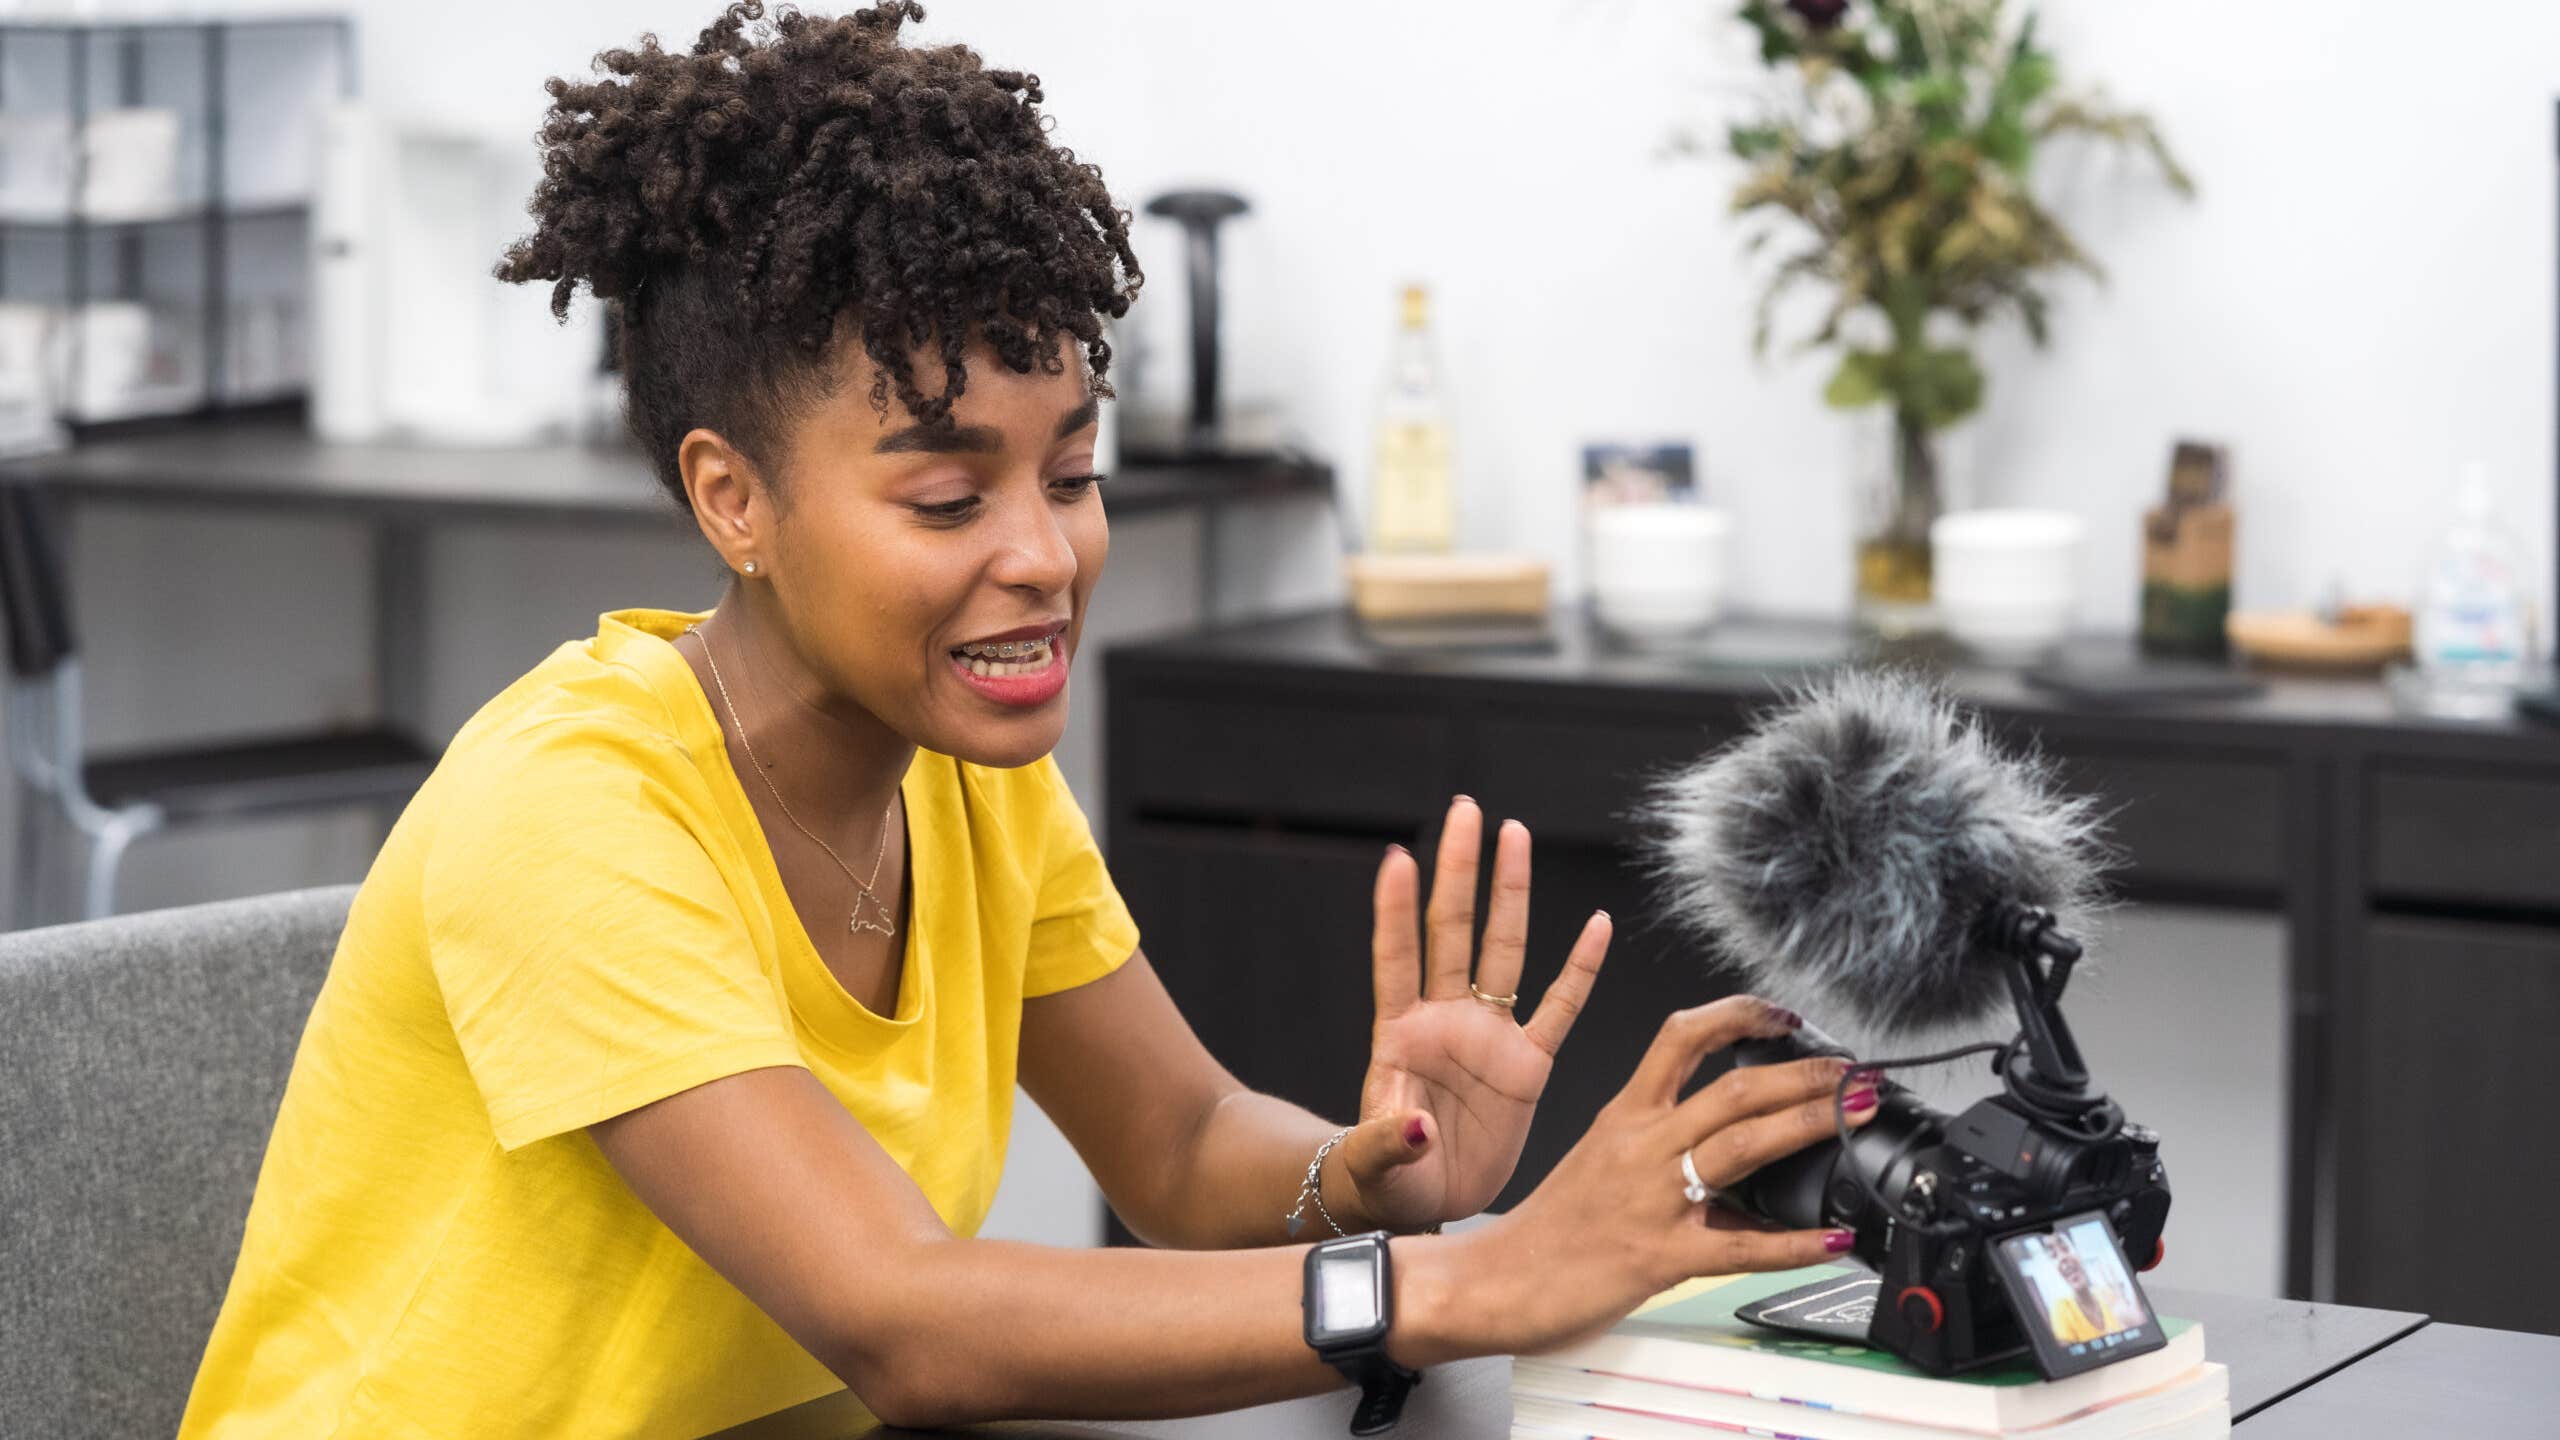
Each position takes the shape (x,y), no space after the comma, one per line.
(1454,1077)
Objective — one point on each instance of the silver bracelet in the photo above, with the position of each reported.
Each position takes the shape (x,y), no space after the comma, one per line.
(1312,1190)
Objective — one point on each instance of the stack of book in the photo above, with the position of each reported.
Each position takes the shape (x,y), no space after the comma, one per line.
(1684,1367)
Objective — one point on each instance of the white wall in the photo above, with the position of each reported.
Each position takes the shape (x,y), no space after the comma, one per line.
(2361,295)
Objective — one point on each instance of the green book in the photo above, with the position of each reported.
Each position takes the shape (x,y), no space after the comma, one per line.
(1690,1337)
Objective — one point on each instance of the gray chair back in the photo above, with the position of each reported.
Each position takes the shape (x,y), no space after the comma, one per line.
(141,1062)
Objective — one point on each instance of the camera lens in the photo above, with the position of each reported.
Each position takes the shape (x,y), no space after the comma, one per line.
(1819,1185)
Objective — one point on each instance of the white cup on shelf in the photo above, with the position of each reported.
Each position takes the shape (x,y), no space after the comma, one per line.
(131,159)
(2007,582)
(1658,570)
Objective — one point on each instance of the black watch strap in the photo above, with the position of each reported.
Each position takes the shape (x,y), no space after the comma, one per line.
(1383,1383)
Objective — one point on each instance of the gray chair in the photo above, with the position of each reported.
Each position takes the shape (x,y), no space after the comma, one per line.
(141,1062)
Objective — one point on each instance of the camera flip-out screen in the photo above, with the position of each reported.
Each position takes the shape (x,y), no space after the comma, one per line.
(2075,1297)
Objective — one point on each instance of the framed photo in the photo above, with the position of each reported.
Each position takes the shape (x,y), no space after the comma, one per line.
(1650,474)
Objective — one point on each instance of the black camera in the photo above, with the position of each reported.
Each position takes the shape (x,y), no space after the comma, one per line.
(2001,1230)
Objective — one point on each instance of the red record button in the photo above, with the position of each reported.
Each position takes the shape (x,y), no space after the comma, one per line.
(1920,1308)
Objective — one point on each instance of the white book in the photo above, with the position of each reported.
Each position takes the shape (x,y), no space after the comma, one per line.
(1623,1409)
(1689,1336)
(1537,1420)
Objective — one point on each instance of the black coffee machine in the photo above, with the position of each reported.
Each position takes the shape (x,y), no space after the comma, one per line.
(1207,431)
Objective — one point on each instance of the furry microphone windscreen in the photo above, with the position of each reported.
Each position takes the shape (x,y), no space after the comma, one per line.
(1841,854)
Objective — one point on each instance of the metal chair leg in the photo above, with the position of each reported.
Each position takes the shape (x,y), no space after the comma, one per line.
(28,901)
(106,857)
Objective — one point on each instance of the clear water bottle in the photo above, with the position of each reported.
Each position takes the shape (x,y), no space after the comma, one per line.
(2474,637)
(1413,493)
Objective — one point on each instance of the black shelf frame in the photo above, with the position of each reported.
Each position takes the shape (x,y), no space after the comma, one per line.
(211,214)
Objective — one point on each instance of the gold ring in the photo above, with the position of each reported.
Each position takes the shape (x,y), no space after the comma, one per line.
(1498,1002)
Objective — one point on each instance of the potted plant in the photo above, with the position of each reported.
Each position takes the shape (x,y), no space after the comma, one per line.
(1898,147)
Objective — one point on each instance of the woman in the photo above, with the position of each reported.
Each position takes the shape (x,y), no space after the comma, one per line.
(664,1071)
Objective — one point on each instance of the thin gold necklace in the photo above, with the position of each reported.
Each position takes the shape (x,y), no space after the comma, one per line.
(857,922)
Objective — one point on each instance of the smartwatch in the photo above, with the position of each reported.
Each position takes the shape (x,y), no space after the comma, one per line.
(1347,1306)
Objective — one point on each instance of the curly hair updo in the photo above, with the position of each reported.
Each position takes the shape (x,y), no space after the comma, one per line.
(733,204)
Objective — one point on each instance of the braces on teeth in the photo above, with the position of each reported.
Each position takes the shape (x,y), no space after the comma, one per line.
(1007,650)
(1008,657)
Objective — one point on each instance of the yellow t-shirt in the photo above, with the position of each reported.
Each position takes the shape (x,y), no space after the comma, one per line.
(578,915)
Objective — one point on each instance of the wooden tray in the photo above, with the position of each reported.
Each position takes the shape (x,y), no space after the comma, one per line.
(1416,587)
(2366,637)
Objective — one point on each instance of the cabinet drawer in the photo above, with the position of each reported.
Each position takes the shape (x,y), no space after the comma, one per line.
(2466,837)
(1575,779)
(1215,757)
(2204,822)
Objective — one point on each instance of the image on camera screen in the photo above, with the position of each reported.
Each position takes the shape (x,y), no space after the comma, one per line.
(2080,1289)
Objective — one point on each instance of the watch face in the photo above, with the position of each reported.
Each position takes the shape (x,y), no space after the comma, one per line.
(1346,1299)
(1346,1294)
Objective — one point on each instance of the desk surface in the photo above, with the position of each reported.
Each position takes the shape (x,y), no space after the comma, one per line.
(2443,1380)
(2274,1348)
(278,463)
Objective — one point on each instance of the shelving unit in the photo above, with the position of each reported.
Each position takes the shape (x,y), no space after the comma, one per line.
(184,293)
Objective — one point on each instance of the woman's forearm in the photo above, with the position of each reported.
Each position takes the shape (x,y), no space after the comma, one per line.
(993,1330)
(1233,1184)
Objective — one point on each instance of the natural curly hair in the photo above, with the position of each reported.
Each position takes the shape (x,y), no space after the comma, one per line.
(734,204)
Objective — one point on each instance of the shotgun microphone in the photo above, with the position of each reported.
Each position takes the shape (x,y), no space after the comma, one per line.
(1852,855)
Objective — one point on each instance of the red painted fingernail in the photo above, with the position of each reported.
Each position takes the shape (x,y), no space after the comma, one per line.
(1838,1240)
(1413,1132)
(1794,1020)
(1860,1101)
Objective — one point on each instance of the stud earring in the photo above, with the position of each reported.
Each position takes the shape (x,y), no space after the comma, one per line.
(750,567)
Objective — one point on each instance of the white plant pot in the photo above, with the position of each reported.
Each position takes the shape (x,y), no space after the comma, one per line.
(2007,582)
(1658,570)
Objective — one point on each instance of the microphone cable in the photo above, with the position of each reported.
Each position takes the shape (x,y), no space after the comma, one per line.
(1872,1071)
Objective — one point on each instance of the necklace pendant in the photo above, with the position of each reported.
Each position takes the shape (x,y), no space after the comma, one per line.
(871,913)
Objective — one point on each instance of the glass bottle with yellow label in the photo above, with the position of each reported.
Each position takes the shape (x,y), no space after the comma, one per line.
(1413,505)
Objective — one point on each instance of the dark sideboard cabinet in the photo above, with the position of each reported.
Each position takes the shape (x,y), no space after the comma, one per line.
(1255,773)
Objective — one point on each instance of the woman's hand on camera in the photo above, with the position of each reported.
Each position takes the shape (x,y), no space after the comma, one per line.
(1611,1226)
